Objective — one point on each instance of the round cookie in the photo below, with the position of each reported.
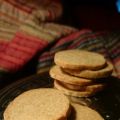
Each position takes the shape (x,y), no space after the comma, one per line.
(79,59)
(91,87)
(86,93)
(58,74)
(38,104)
(70,86)
(84,113)
(90,74)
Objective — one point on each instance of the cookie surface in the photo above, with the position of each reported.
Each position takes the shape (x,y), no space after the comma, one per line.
(84,113)
(58,74)
(92,87)
(79,59)
(70,86)
(92,74)
(38,104)
(72,92)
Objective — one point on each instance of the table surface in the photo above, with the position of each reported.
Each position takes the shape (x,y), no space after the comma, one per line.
(107,102)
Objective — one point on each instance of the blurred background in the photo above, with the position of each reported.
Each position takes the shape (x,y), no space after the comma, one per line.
(93,14)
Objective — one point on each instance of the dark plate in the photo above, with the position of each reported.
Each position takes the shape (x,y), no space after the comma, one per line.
(107,102)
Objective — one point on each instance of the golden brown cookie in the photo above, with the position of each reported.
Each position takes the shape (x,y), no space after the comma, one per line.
(72,92)
(79,59)
(91,87)
(58,74)
(71,86)
(80,112)
(38,104)
(92,74)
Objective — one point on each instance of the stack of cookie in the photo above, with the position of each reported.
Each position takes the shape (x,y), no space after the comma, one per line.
(47,104)
(80,73)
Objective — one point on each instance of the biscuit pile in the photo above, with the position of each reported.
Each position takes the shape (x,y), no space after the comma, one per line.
(80,73)
(47,104)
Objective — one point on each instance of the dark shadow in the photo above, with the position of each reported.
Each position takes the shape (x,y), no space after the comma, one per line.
(72,114)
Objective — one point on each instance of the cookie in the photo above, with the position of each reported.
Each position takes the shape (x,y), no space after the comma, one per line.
(58,74)
(80,112)
(90,74)
(70,86)
(79,59)
(92,87)
(38,104)
(72,92)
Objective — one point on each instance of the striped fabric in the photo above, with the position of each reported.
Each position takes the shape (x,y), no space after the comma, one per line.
(20,51)
(20,35)
(106,43)
(7,31)
(112,44)
(28,40)
(14,13)
(26,28)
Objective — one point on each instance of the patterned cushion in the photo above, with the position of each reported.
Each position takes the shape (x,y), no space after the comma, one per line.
(106,43)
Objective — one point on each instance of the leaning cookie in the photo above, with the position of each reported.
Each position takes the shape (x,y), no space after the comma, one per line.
(58,74)
(79,59)
(86,93)
(92,74)
(92,87)
(80,112)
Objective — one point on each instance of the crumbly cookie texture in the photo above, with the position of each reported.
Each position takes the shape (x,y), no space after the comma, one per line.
(38,104)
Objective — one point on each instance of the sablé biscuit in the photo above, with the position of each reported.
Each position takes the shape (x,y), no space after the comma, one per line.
(86,93)
(58,74)
(91,87)
(92,74)
(70,86)
(38,104)
(79,59)
(84,113)
(72,92)
(95,87)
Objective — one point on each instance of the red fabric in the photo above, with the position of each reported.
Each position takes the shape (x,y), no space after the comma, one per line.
(3,45)
(22,48)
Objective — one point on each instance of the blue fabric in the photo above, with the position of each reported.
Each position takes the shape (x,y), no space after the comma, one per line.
(118,5)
